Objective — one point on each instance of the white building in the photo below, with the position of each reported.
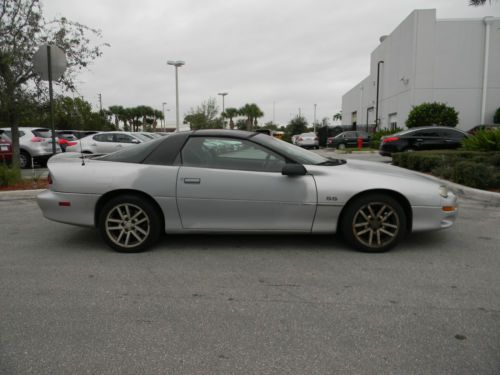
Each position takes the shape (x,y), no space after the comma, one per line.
(454,61)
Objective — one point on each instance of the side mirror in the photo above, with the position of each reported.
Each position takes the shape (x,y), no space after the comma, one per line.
(293,170)
(136,141)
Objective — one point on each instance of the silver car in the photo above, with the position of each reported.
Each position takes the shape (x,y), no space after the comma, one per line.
(35,145)
(228,181)
(107,142)
(307,140)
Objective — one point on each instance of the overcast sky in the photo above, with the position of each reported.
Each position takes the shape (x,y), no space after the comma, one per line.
(293,53)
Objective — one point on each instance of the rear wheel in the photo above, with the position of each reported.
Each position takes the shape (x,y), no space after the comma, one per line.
(24,160)
(129,224)
(374,223)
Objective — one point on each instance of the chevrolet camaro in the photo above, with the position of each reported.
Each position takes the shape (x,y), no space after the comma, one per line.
(228,181)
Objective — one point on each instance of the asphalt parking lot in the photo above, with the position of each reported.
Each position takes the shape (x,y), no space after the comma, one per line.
(248,304)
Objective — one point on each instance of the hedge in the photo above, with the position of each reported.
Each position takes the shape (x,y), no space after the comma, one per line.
(471,168)
(9,176)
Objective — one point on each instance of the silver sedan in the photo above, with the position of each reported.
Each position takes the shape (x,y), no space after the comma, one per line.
(228,181)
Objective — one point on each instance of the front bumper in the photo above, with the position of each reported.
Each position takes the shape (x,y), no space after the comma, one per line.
(433,218)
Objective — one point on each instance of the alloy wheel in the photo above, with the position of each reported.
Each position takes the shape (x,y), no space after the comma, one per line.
(127,225)
(376,224)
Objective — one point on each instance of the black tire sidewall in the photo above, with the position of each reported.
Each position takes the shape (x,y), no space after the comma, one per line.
(28,159)
(352,208)
(149,209)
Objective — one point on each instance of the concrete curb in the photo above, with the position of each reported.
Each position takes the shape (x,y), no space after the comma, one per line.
(489,198)
(13,195)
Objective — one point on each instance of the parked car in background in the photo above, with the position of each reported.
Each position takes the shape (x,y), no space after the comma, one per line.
(348,139)
(35,145)
(84,133)
(107,142)
(307,140)
(65,138)
(206,180)
(5,148)
(422,138)
(477,128)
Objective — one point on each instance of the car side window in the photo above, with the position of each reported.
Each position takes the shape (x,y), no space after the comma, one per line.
(426,133)
(123,138)
(230,153)
(452,134)
(105,137)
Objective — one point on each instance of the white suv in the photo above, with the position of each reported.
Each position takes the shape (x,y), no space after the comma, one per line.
(107,142)
(35,144)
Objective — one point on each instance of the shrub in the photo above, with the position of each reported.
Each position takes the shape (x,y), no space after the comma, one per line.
(483,140)
(427,114)
(375,139)
(496,118)
(9,176)
(473,174)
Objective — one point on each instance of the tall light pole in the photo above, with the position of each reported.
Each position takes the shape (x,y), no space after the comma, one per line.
(164,118)
(223,94)
(177,64)
(314,123)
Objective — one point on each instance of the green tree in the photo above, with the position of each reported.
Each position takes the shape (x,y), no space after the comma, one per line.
(496,118)
(252,113)
(297,125)
(22,30)
(231,113)
(337,116)
(269,125)
(204,116)
(476,3)
(427,114)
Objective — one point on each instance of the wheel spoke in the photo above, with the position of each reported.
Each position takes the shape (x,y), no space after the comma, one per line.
(136,236)
(118,209)
(378,238)
(115,228)
(114,221)
(363,231)
(370,209)
(365,216)
(120,236)
(370,239)
(139,229)
(127,239)
(390,225)
(361,225)
(389,214)
(127,210)
(381,211)
(387,232)
(141,221)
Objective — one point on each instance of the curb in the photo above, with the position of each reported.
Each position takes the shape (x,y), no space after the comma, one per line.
(14,195)
(487,197)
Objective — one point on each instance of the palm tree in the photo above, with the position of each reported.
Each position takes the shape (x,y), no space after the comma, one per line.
(476,3)
(230,113)
(252,112)
(337,116)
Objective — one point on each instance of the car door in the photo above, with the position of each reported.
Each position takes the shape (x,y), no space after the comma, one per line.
(451,138)
(121,141)
(235,184)
(428,139)
(101,143)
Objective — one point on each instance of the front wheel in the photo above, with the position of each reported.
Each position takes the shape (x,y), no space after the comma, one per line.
(374,223)
(129,224)
(24,160)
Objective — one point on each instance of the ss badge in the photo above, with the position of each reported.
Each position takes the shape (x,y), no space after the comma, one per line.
(331,198)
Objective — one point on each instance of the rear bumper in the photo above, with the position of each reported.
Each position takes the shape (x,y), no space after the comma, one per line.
(80,210)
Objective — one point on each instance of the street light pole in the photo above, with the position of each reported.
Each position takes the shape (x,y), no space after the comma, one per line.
(164,117)
(177,64)
(223,94)
(314,123)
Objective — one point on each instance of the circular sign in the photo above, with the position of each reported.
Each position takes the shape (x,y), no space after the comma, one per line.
(58,62)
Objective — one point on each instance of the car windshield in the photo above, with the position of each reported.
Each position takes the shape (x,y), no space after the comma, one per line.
(298,154)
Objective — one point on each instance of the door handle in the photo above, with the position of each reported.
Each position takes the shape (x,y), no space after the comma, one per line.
(191,180)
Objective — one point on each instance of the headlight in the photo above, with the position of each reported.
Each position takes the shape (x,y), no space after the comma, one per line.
(443,191)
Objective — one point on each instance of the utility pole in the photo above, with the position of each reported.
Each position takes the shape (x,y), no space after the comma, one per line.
(314,123)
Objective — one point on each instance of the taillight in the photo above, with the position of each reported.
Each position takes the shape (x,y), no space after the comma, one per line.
(49,179)
(390,139)
(36,139)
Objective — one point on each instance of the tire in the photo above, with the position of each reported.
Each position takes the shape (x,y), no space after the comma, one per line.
(123,234)
(24,160)
(374,235)
(341,146)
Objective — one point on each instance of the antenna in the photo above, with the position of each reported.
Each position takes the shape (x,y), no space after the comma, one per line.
(81,152)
